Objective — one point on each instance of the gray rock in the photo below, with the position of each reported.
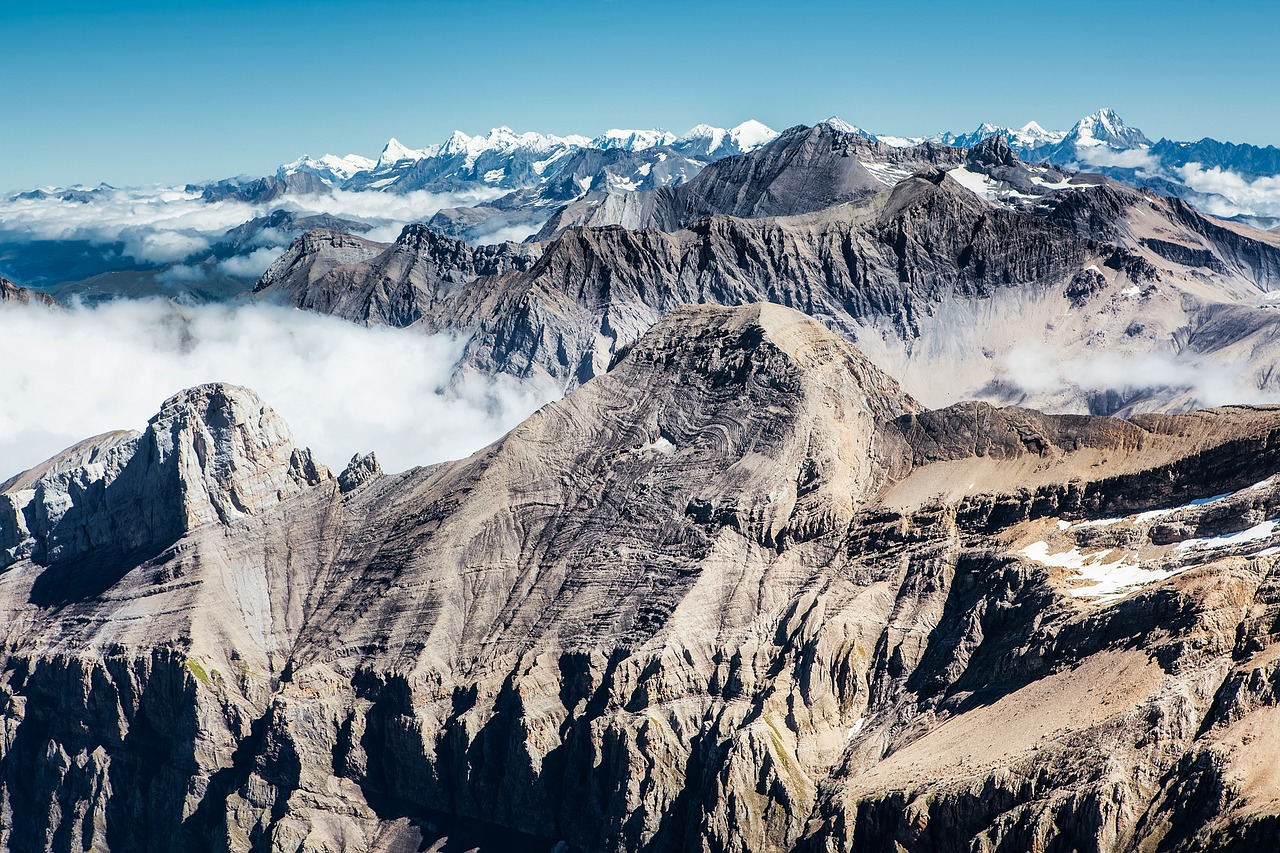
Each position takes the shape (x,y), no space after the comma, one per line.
(739,592)
(213,454)
(10,292)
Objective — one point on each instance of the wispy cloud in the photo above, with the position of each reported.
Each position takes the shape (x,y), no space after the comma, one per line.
(158,225)
(343,388)
(1130,158)
(1046,374)
(251,265)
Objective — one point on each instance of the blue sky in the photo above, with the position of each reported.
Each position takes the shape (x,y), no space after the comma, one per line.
(136,91)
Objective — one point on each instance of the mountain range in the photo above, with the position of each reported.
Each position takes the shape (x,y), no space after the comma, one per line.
(739,592)
(952,270)
(901,495)
(208,241)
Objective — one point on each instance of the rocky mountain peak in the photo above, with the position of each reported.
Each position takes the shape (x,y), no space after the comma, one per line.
(360,470)
(232,453)
(314,253)
(994,150)
(214,453)
(10,292)
(1105,127)
(764,342)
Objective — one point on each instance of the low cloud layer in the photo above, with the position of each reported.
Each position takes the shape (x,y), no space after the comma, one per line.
(1129,158)
(159,225)
(343,388)
(1227,193)
(1185,381)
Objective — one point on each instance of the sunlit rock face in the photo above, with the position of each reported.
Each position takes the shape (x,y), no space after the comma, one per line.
(737,592)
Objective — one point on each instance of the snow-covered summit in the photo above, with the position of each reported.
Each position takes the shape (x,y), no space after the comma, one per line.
(329,168)
(633,140)
(1032,133)
(705,141)
(396,152)
(1105,127)
(837,123)
(504,140)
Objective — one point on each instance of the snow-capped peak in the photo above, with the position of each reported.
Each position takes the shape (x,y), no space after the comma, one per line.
(1032,134)
(504,140)
(701,131)
(1105,127)
(633,140)
(395,152)
(329,168)
(751,135)
(837,123)
(1033,130)
(707,141)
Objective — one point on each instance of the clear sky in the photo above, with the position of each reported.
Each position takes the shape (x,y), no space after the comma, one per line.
(134,91)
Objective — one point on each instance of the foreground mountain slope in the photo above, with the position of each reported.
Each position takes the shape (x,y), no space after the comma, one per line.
(739,592)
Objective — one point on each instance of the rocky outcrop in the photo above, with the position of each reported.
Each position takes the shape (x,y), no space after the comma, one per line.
(10,292)
(738,592)
(392,285)
(213,454)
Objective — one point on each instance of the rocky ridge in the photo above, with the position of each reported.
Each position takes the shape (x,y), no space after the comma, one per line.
(10,292)
(739,592)
(1084,266)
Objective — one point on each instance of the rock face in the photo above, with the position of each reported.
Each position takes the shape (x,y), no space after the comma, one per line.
(10,292)
(939,285)
(377,284)
(740,592)
(212,454)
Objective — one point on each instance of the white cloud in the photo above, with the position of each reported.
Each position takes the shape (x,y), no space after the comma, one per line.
(1228,193)
(1129,158)
(514,233)
(182,273)
(162,225)
(343,388)
(253,264)
(1046,373)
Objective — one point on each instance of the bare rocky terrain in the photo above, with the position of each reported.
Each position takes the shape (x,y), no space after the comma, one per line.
(10,292)
(963,274)
(740,591)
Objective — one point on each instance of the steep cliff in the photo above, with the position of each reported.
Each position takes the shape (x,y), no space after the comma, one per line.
(739,592)
(10,292)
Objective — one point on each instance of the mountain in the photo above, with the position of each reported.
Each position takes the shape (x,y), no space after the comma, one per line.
(713,143)
(740,592)
(805,169)
(505,185)
(333,169)
(10,292)
(1250,161)
(944,278)
(1104,128)
(633,140)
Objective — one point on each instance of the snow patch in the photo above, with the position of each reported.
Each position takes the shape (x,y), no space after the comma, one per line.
(1257,533)
(1113,572)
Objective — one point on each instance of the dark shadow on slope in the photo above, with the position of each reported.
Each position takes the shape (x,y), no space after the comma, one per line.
(89,576)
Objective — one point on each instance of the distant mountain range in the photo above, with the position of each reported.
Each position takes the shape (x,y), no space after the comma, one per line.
(211,240)
(502,159)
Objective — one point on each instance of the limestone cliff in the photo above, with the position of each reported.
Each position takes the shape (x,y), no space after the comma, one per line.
(739,592)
